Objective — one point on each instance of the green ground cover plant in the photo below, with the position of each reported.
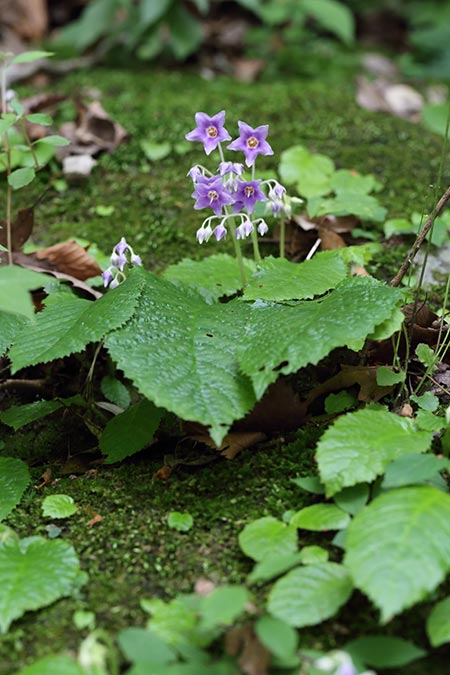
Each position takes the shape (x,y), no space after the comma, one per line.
(190,349)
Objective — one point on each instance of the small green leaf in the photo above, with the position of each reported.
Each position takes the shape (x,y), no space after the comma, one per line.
(310,172)
(39,118)
(21,177)
(130,431)
(14,478)
(438,623)
(352,181)
(387,376)
(381,651)
(152,10)
(320,518)
(311,555)
(352,499)
(343,400)
(17,107)
(277,636)
(308,595)
(33,574)
(145,647)
(155,151)
(426,355)
(58,506)
(383,544)
(54,140)
(18,416)
(29,57)
(398,226)
(115,391)
(182,522)
(266,535)
(359,446)
(427,401)
(223,606)
(413,469)
(273,565)
(6,122)
(334,16)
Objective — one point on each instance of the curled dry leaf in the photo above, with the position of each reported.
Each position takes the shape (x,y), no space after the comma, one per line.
(364,376)
(70,258)
(21,229)
(93,132)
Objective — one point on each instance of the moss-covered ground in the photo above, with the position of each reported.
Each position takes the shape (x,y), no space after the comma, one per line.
(132,554)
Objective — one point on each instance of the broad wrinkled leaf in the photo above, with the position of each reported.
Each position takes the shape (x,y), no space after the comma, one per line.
(279,279)
(58,506)
(320,518)
(144,647)
(152,10)
(334,16)
(223,606)
(115,391)
(34,573)
(130,431)
(182,522)
(311,555)
(359,446)
(18,416)
(14,478)
(282,339)
(68,324)
(267,536)
(381,651)
(278,636)
(181,353)
(412,469)
(273,565)
(21,177)
(365,207)
(212,277)
(10,326)
(438,623)
(352,499)
(398,547)
(308,595)
(352,181)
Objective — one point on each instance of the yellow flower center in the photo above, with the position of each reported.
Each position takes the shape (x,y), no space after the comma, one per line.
(212,194)
(212,132)
(249,191)
(252,142)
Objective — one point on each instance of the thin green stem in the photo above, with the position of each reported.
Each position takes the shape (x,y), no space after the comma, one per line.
(30,144)
(444,309)
(282,236)
(256,252)
(8,167)
(238,252)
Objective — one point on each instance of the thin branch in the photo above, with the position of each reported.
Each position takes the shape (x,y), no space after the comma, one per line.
(420,238)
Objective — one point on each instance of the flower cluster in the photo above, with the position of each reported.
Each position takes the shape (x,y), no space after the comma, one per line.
(121,256)
(338,663)
(231,195)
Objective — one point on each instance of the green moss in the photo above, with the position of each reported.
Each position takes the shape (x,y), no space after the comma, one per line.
(152,203)
(132,553)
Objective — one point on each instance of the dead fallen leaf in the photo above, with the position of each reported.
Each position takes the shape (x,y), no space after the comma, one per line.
(46,479)
(253,657)
(70,258)
(28,18)
(406,410)
(364,376)
(21,229)
(396,98)
(96,519)
(330,240)
(163,473)
(93,132)
(247,70)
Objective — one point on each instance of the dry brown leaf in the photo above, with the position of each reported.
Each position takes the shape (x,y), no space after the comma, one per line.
(46,479)
(364,376)
(247,70)
(163,473)
(93,132)
(70,258)
(253,657)
(28,18)
(96,519)
(330,240)
(21,229)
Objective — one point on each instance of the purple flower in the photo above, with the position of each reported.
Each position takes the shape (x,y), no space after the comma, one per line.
(195,173)
(136,260)
(252,142)
(209,131)
(107,277)
(247,194)
(118,260)
(220,231)
(262,227)
(212,194)
(231,167)
(121,247)
(203,234)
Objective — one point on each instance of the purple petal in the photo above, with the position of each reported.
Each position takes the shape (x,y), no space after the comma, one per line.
(136,260)
(220,232)
(107,277)
(121,247)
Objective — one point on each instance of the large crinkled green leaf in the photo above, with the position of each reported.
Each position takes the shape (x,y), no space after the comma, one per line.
(279,279)
(308,595)
(398,547)
(10,326)
(267,536)
(68,324)
(365,207)
(181,353)
(358,447)
(14,478)
(34,573)
(282,339)
(438,623)
(215,276)
(310,172)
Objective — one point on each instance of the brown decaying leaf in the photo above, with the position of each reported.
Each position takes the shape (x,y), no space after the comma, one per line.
(364,376)
(163,473)
(46,479)
(247,70)
(254,658)
(95,520)
(70,258)
(21,229)
(93,132)
(28,18)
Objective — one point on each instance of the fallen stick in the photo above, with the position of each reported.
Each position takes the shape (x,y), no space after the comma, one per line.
(420,238)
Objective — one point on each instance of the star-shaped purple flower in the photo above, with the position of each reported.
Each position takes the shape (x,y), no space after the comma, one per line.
(252,142)
(213,195)
(209,130)
(247,194)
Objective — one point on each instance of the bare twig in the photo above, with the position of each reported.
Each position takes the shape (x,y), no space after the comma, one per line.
(420,238)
